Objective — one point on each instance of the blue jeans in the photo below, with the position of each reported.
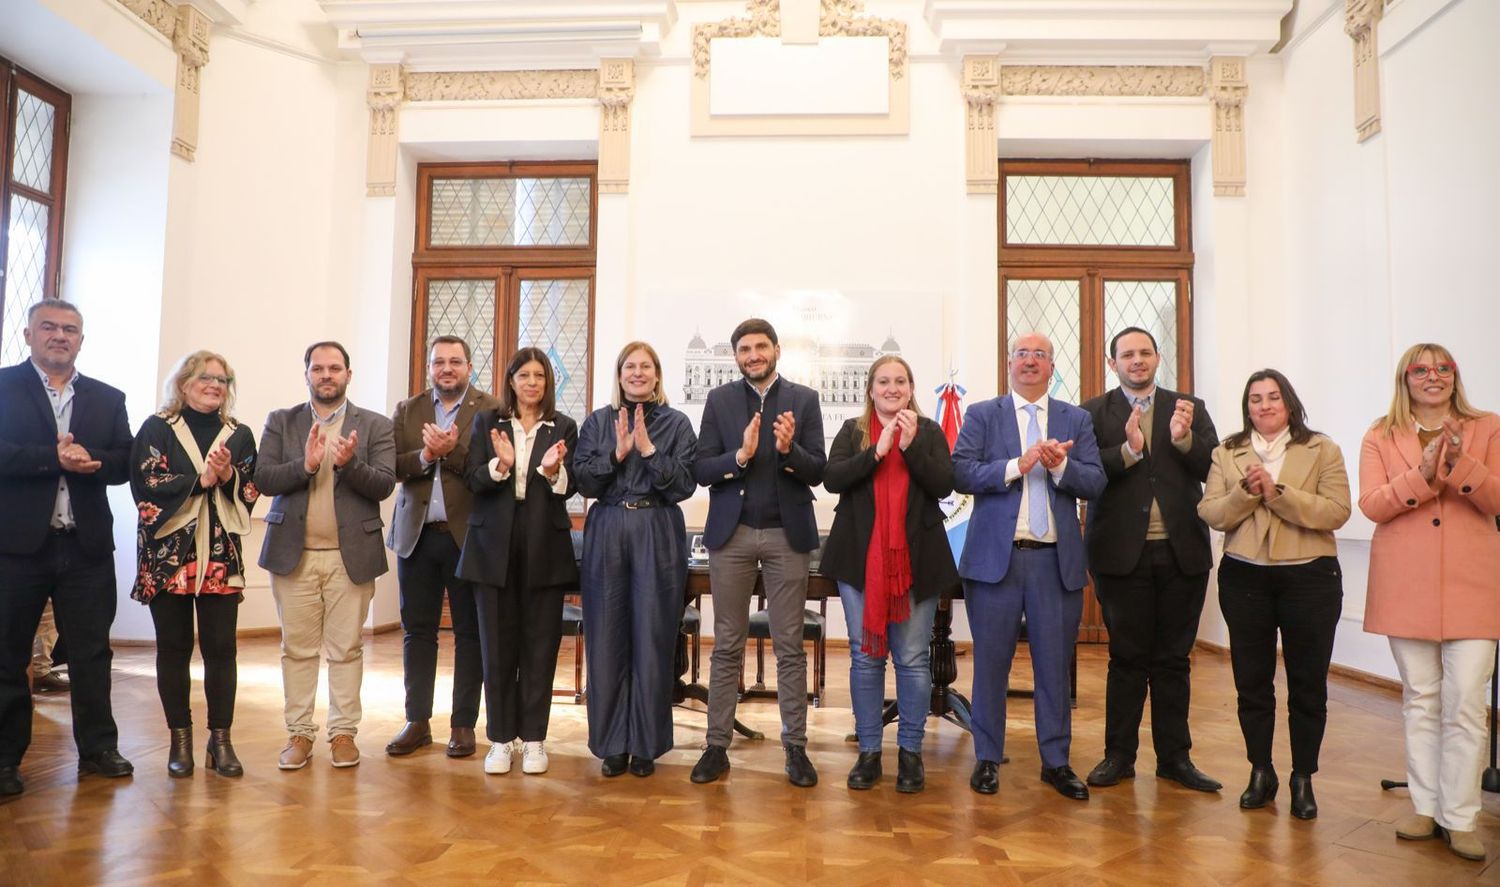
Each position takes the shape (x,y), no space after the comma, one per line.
(910,645)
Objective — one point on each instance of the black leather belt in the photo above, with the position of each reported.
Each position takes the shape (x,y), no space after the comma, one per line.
(439,525)
(62,531)
(633,504)
(1032,543)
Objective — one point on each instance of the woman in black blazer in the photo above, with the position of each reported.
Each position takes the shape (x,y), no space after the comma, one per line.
(519,554)
(889,552)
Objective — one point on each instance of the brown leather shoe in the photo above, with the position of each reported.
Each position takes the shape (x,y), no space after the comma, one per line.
(413,736)
(343,750)
(461,743)
(52,682)
(296,754)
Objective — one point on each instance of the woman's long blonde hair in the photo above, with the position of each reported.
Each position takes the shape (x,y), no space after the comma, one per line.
(867,417)
(1400,415)
(174,387)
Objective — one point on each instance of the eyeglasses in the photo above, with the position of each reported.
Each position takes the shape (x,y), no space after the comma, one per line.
(210,378)
(1034,353)
(1420,371)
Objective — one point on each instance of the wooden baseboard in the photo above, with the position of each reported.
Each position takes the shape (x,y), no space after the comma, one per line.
(1343,671)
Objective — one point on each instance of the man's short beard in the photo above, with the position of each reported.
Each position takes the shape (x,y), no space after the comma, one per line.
(329,401)
(449,390)
(765,374)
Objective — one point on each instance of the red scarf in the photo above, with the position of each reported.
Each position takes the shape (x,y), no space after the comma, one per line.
(888,561)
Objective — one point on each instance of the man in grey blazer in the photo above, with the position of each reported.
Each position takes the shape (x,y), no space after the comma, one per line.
(329,464)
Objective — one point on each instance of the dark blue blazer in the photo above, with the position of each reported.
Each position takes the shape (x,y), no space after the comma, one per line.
(29,468)
(989,439)
(725,416)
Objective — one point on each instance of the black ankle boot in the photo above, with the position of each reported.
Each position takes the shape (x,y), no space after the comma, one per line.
(180,753)
(911,776)
(866,771)
(1261,790)
(221,756)
(1304,805)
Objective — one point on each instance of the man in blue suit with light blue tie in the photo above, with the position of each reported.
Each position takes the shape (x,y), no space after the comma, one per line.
(1028,459)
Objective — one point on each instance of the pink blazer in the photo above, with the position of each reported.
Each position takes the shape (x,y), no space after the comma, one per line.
(1435,558)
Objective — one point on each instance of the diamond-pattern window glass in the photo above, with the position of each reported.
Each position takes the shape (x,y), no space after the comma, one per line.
(554,316)
(1089,210)
(1049,307)
(32,165)
(26,264)
(510,212)
(466,308)
(1150,305)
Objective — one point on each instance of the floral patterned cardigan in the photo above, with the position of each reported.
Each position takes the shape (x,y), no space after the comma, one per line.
(180,525)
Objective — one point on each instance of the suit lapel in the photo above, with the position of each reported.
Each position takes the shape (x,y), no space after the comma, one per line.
(1244,457)
(1300,459)
(466,411)
(544,435)
(1118,407)
(1010,432)
(33,385)
(1162,407)
(1408,445)
(301,424)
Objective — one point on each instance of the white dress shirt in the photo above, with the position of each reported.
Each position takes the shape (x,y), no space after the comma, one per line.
(1013,467)
(522,441)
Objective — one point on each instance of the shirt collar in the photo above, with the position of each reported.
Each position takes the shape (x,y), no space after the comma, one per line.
(516,422)
(331,416)
(437,401)
(1131,397)
(756,391)
(1022,403)
(47,380)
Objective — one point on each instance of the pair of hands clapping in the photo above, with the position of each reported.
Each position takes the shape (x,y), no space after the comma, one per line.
(216,468)
(1180,424)
(318,446)
(1258,482)
(783,427)
(1444,449)
(505,454)
(903,429)
(74,458)
(1050,453)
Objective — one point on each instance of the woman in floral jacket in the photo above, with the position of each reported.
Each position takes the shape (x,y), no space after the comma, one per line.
(191,471)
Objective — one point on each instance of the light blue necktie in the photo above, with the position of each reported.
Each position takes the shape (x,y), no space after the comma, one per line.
(1036,479)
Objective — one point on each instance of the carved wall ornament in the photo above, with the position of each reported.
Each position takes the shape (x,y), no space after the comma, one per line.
(469,86)
(1361,18)
(190,39)
(1228,90)
(836,18)
(616,90)
(1157,81)
(981,90)
(159,14)
(383,95)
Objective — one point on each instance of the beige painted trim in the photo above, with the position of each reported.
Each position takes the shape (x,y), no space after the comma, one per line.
(1361,19)
(384,98)
(481,86)
(616,90)
(161,15)
(1155,81)
(981,88)
(1228,90)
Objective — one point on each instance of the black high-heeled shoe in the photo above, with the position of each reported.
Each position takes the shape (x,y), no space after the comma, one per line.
(180,753)
(1304,805)
(220,754)
(1261,790)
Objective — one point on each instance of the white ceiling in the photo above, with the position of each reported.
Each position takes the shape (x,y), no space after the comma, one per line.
(37,39)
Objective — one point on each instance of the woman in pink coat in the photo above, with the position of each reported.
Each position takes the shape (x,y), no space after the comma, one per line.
(1429,476)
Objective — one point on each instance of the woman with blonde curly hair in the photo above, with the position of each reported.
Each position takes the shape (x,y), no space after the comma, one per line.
(190,473)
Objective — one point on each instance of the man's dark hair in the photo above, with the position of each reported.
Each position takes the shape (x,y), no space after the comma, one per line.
(307,355)
(450,340)
(1127,331)
(750,327)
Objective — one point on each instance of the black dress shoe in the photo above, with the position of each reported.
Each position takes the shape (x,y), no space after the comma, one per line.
(1110,771)
(52,682)
(911,776)
(713,764)
(1261,790)
(10,782)
(640,766)
(105,763)
(866,771)
(413,735)
(180,753)
(461,742)
(1185,774)
(1066,782)
(985,778)
(614,765)
(799,770)
(1304,805)
(220,755)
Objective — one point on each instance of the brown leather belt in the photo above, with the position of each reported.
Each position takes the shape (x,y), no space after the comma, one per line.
(1032,543)
(439,525)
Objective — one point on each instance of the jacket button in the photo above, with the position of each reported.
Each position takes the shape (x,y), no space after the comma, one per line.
(1411,502)
(1436,522)
(1467,490)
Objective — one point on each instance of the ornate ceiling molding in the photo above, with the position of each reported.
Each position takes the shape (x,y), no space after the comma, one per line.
(1156,81)
(161,15)
(472,86)
(836,18)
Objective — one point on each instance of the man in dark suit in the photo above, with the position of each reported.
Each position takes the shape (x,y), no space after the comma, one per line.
(64,439)
(329,464)
(1027,458)
(427,534)
(760,453)
(1150,558)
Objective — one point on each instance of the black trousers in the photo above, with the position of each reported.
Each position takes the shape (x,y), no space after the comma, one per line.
(82,590)
(1152,615)
(520,630)
(218,617)
(1303,602)
(423,576)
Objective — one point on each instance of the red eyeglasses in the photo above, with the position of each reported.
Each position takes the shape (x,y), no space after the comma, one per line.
(1419,371)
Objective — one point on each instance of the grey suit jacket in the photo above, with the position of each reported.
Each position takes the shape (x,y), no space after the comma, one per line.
(360,485)
(416,481)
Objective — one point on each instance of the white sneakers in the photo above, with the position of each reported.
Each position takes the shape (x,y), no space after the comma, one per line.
(533,758)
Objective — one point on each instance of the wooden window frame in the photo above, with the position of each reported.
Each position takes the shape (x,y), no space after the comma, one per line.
(12,79)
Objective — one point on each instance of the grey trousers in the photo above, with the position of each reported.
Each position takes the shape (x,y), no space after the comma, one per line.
(732,571)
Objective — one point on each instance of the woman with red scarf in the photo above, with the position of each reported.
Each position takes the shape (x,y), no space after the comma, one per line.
(889,553)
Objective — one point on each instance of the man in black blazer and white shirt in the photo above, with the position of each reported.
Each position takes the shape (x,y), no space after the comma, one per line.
(1150,557)
(64,439)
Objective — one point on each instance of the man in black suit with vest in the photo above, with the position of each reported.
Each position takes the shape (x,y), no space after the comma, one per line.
(760,453)
(1150,558)
(64,438)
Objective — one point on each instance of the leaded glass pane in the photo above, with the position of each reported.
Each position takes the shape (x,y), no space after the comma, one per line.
(26,267)
(554,316)
(466,308)
(32,166)
(1090,210)
(1049,307)
(510,212)
(1150,305)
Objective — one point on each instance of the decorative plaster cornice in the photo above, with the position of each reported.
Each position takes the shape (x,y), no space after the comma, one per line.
(616,89)
(159,14)
(981,89)
(1228,91)
(1361,17)
(836,18)
(451,86)
(1104,80)
(383,95)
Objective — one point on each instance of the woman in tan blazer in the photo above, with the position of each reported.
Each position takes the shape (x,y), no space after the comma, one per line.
(1278,490)
(1429,477)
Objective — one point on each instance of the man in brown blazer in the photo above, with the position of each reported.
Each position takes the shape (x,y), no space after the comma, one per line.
(427,534)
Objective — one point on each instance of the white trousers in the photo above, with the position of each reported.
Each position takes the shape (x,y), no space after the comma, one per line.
(1443,705)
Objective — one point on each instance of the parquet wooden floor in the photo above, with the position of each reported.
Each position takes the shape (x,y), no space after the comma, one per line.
(426,819)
